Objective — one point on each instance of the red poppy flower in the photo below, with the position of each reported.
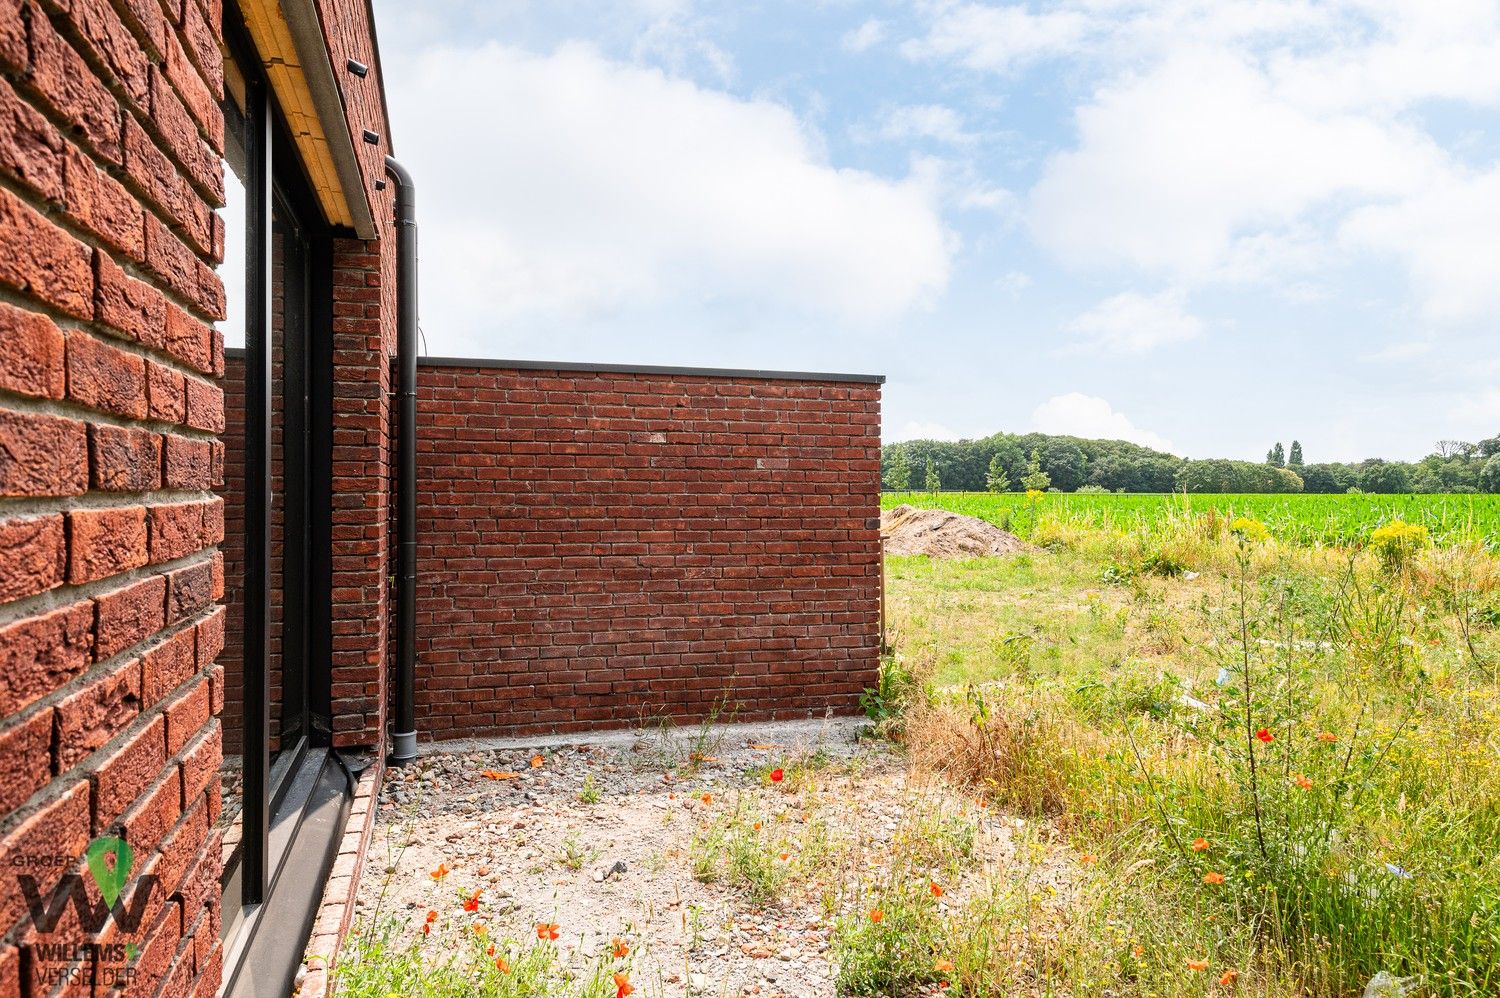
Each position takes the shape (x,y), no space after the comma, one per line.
(546,930)
(1265,736)
(936,889)
(777,775)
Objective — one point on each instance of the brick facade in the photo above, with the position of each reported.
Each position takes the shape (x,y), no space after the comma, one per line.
(110,137)
(606,548)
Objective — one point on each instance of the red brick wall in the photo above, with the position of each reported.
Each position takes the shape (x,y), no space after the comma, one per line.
(602,549)
(363,344)
(110,137)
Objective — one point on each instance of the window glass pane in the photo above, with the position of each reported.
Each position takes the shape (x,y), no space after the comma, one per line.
(232,270)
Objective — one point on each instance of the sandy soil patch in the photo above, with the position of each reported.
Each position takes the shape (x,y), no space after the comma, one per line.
(942,534)
(599,838)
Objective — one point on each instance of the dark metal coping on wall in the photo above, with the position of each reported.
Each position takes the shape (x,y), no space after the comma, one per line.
(689,372)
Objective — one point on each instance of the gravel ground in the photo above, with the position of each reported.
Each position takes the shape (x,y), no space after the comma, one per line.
(620,866)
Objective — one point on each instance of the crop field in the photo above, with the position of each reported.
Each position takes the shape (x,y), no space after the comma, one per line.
(1294,519)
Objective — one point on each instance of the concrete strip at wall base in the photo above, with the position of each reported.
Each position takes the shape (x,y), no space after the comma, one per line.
(792,736)
(336,910)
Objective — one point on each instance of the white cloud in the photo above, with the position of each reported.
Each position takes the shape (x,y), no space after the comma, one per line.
(1261,141)
(587,186)
(1132,323)
(924,121)
(998,38)
(923,430)
(1399,352)
(1447,237)
(864,37)
(1013,283)
(1176,167)
(1079,415)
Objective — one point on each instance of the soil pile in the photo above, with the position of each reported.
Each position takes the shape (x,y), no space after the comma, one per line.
(941,534)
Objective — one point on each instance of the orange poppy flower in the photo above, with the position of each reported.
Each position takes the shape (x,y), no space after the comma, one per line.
(1088,859)
(777,775)
(1200,844)
(876,915)
(431,917)
(440,872)
(943,966)
(1197,964)
(546,930)
(620,949)
(1137,951)
(500,774)
(1229,977)
(1327,736)
(536,762)
(1265,736)
(757,826)
(502,964)
(708,798)
(480,928)
(1213,877)
(622,985)
(1302,782)
(936,889)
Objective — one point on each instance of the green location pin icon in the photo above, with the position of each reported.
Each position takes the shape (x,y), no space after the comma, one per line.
(109,861)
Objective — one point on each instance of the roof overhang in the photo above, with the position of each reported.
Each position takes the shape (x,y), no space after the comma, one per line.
(288,37)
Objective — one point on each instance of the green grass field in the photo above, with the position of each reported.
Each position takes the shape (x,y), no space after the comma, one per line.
(1295,519)
(1275,755)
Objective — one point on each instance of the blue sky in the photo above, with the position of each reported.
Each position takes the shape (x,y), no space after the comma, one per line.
(1204,225)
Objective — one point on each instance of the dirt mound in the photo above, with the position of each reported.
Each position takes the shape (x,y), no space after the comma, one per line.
(941,534)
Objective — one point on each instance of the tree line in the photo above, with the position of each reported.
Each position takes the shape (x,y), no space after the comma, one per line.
(1007,462)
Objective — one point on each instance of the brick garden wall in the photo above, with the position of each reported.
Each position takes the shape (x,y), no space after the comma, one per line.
(600,548)
(110,137)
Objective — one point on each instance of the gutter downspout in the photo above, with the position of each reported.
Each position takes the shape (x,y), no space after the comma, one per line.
(404,726)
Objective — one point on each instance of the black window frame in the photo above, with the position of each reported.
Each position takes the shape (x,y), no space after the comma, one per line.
(304,776)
